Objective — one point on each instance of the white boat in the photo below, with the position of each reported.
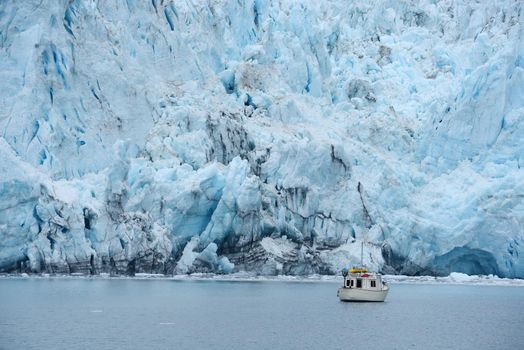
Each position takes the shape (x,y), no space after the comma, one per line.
(359,285)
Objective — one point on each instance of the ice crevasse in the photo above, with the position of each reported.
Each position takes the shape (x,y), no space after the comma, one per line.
(265,136)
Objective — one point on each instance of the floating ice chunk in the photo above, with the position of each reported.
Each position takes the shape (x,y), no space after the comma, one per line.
(461,277)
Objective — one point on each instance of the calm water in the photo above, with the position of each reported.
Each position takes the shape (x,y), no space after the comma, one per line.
(166,314)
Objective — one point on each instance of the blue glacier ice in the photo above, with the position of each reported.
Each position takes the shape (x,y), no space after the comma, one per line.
(265,136)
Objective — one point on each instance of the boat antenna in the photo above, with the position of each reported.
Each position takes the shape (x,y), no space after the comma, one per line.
(362,254)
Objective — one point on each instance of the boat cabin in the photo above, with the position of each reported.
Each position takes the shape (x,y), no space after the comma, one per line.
(363,280)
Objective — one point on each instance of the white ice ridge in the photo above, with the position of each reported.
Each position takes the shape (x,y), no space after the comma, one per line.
(218,136)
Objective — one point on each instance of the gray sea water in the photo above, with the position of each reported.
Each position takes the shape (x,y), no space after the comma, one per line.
(167,314)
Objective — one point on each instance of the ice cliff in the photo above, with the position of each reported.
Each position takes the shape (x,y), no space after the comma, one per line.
(269,136)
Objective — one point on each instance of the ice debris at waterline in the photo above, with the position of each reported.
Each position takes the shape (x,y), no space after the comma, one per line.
(243,276)
(267,136)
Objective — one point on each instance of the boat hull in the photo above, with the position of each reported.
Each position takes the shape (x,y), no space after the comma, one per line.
(355,294)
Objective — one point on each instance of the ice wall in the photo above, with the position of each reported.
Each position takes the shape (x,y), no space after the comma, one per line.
(270,136)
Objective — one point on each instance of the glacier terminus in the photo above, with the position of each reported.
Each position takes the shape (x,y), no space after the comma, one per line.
(273,136)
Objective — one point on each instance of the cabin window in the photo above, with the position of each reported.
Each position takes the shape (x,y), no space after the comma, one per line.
(352,283)
(359,283)
(373,284)
(347,283)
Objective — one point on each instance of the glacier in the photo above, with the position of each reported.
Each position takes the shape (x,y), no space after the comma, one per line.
(275,137)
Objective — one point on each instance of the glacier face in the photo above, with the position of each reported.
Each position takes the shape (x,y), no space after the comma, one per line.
(269,136)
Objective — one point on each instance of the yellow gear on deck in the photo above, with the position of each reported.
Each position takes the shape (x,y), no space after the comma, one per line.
(358,270)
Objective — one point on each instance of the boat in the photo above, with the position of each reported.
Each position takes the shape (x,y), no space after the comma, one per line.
(361,285)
